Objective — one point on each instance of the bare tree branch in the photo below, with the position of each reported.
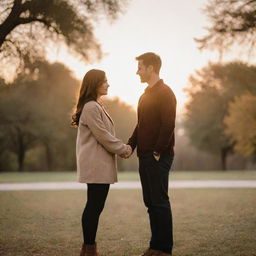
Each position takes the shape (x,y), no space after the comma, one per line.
(231,22)
(69,21)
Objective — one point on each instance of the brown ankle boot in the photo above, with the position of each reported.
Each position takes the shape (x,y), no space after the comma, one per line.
(150,252)
(89,250)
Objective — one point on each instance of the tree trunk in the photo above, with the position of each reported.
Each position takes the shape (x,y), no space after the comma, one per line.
(223,159)
(10,22)
(49,159)
(21,152)
(224,154)
(5,29)
(21,158)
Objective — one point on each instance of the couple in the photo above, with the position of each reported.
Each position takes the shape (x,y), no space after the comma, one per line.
(97,148)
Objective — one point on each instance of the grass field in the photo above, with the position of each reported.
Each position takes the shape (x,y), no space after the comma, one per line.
(207,222)
(124,176)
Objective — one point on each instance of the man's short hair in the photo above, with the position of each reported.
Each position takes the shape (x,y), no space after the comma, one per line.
(150,58)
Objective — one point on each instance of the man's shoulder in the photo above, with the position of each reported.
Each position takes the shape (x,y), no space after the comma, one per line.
(166,90)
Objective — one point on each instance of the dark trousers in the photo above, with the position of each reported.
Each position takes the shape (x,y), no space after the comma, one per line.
(96,197)
(154,177)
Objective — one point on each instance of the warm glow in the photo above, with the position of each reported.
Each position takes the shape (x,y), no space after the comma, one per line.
(164,27)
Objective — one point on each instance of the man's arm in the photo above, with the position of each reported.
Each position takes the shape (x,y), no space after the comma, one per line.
(133,139)
(167,118)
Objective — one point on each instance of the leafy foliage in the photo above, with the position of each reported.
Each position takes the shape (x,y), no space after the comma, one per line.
(28,26)
(241,123)
(36,113)
(211,91)
(231,21)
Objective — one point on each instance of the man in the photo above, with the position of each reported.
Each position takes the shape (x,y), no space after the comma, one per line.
(154,138)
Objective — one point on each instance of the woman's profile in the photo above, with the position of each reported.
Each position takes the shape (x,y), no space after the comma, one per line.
(96,150)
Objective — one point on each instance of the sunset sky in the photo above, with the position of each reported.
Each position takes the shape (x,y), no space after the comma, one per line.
(166,27)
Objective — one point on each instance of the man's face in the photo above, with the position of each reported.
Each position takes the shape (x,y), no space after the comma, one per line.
(144,72)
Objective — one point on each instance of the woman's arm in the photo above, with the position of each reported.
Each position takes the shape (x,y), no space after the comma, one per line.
(91,116)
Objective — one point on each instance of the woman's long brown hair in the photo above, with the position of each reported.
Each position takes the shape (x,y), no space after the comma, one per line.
(92,80)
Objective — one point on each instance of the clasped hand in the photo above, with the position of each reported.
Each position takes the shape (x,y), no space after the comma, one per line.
(127,153)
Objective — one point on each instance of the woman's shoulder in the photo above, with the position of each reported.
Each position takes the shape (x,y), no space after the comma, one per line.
(91,106)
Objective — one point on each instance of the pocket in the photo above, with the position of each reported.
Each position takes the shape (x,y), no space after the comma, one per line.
(166,162)
(148,162)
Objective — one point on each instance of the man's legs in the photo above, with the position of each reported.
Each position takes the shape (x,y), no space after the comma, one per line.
(154,179)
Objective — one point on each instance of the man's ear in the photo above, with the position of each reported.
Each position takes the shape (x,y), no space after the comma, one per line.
(150,68)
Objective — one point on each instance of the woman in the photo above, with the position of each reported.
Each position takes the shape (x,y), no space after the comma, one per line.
(96,147)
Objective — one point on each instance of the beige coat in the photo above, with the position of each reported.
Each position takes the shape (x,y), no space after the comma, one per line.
(96,146)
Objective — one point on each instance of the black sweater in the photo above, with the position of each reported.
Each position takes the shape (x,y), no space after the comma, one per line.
(156,121)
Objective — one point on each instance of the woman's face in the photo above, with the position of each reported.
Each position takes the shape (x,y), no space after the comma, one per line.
(103,89)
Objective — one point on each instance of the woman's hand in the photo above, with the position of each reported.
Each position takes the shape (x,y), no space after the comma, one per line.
(127,153)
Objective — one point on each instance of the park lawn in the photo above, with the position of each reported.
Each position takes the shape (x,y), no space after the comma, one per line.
(125,176)
(207,222)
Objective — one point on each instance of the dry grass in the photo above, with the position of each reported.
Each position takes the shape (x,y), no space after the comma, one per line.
(207,222)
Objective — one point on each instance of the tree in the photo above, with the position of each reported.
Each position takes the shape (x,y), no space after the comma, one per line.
(53,103)
(241,124)
(16,133)
(204,123)
(231,21)
(211,90)
(35,112)
(27,26)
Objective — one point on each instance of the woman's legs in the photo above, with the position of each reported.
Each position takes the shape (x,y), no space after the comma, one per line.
(96,197)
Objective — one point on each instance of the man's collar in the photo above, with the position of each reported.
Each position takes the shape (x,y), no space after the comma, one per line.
(152,88)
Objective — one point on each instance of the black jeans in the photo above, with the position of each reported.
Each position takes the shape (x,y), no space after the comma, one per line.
(154,176)
(96,197)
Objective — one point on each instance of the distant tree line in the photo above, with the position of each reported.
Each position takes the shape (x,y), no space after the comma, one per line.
(35,110)
(220,115)
(219,129)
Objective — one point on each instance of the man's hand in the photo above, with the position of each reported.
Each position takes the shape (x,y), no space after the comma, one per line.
(156,155)
(127,153)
